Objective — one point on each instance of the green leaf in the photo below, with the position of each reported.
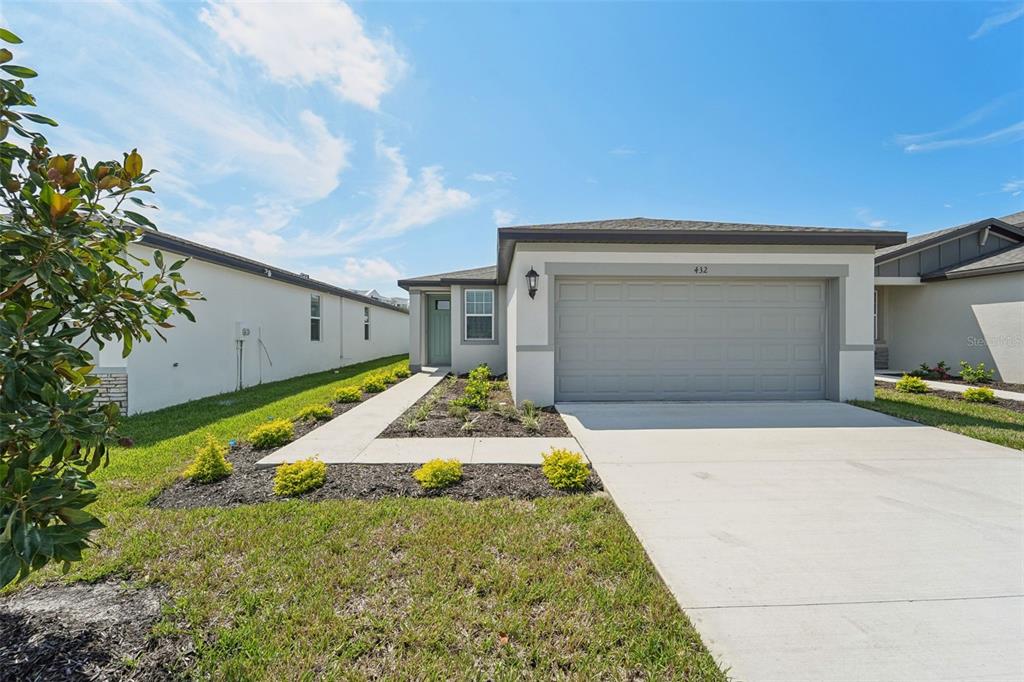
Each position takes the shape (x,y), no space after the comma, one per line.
(38,118)
(139,219)
(19,71)
(9,37)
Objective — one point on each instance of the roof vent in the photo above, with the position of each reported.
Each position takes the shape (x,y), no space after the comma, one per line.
(303,275)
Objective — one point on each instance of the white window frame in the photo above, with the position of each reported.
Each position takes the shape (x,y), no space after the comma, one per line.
(319,317)
(466,314)
(366,323)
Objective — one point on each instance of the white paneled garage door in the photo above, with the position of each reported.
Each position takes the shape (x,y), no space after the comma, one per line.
(689,339)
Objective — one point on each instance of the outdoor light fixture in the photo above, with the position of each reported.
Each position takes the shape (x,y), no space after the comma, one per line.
(531,282)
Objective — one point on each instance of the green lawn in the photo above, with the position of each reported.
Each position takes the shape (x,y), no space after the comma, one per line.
(985,422)
(400,589)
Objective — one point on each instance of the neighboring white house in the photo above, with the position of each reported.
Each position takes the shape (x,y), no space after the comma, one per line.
(258,324)
(643,309)
(951,295)
(400,301)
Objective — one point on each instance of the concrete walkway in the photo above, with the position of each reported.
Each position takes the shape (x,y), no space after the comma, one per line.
(819,541)
(345,436)
(956,388)
(466,450)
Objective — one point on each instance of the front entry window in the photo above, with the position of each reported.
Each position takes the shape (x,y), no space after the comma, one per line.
(479,314)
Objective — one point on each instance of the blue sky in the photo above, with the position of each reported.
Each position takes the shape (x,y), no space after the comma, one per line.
(364,142)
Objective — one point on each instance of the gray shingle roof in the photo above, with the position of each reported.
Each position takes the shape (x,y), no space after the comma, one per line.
(1014,218)
(920,241)
(483,275)
(1007,260)
(659,225)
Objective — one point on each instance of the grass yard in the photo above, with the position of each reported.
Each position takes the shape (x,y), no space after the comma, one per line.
(402,588)
(985,422)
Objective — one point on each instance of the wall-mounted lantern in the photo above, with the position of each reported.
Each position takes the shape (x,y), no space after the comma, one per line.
(531,282)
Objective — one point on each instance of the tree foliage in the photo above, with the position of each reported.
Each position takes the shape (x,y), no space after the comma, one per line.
(67,284)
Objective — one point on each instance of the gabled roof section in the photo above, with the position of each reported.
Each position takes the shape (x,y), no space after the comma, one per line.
(1007,260)
(185,247)
(1014,218)
(483,275)
(923,241)
(656,231)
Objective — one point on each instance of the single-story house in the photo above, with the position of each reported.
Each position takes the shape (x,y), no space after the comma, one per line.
(951,295)
(643,309)
(259,323)
(400,301)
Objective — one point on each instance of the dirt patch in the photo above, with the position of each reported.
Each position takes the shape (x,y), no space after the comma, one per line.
(249,485)
(1012,405)
(485,423)
(87,632)
(996,385)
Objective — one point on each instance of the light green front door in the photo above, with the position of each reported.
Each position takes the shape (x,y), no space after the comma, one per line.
(439,331)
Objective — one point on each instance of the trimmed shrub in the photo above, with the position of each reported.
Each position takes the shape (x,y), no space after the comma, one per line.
(939,371)
(210,463)
(403,372)
(348,394)
(388,378)
(458,411)
(439,473)
(911,384)
(980,394)
(299,477)
(976,375)
(272,434)
(565,470)
(373,384)
(315,413)
(478,389)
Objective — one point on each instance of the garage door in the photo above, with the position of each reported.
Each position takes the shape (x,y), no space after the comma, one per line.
(685,339)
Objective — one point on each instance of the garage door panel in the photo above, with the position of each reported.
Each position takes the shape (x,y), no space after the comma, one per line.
(689,340)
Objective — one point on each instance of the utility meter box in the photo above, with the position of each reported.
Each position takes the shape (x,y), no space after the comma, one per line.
(243,331)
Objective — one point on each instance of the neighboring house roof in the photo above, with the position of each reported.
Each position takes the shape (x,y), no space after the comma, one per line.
(923,241)
(1014,218)
(484,275)
(654,231)
(162,240)
(1007,260)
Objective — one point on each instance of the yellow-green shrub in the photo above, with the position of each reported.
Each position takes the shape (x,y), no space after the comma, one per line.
(272,434)
(911,384)
(210,463)
(981,394)
(402,372)
(315,413)
(373,384)
(389,378)
(439,473)
(348,394)
(565,470)
(299,477)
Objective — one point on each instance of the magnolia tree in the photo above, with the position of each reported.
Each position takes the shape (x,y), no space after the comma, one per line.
(67,284)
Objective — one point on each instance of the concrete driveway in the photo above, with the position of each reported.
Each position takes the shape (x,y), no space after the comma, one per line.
(821,541)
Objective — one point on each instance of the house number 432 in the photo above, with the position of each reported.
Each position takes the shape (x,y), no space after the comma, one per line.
(700,270)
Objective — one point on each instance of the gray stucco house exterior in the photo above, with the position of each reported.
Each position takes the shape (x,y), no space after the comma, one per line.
(954,294)
(645,309)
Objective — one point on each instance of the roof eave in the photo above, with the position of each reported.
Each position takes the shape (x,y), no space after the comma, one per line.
(977,272)
(1004,228)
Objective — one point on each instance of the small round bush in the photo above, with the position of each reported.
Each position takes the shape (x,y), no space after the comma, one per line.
(565,470)
(348,394)
(981,394)
(373,384)
(210,463)
(315,413)
(272,434)
(402,372)
(911,384)
(439,473)
(299,477)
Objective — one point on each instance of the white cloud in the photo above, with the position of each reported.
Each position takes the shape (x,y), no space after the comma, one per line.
(304,43)
(865,216)
(622,151)
(944,138)
(997,20)
(1013,187)
(496,176)
(502,218)
(359,273)
(1011,133)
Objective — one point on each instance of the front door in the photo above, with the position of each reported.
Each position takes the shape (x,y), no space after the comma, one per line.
(439,331)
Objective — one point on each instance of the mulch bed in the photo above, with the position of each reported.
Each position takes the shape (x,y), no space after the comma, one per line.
(83,631)
(996,385)
(249,485)
(1013,405)
(487,423)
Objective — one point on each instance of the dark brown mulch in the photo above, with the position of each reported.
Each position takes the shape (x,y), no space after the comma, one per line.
(82,631)
(1013,405)
(486,423)
(249,485)
(997,385)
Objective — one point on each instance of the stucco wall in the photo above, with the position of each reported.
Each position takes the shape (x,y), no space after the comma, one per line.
(978,319)
(531,342)
(200,359)
(468,354)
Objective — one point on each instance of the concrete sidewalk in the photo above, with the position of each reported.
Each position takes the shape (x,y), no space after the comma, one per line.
(466,450)
(956,388)
(344,437)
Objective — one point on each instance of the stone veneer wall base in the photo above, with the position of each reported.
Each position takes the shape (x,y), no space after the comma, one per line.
(113,387)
